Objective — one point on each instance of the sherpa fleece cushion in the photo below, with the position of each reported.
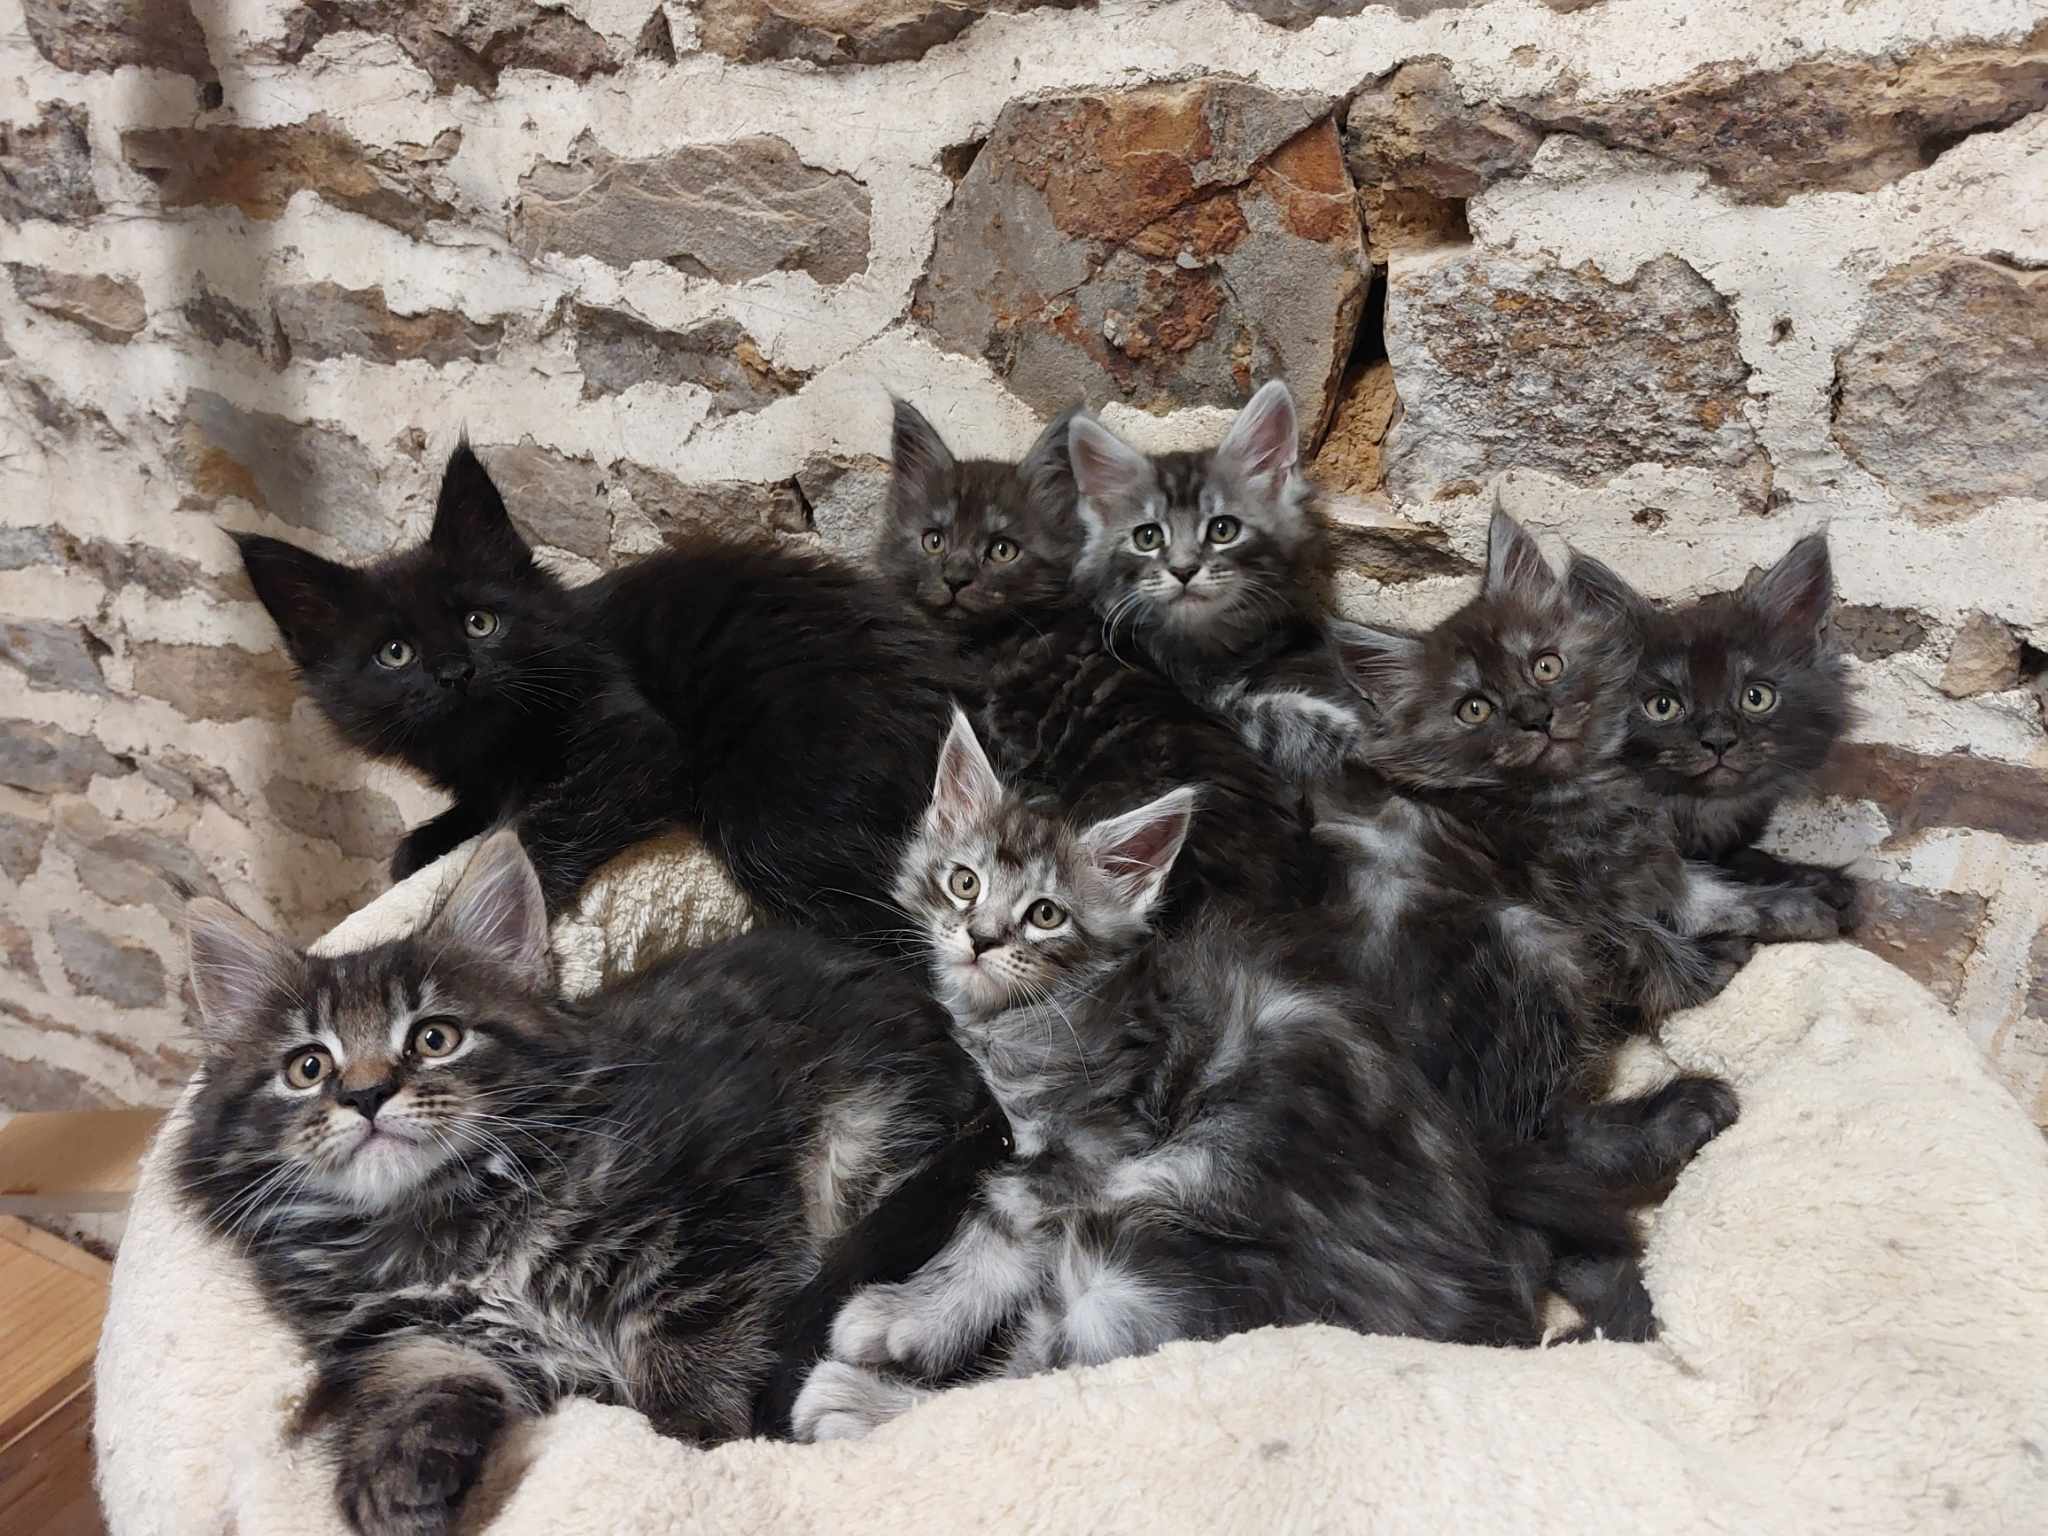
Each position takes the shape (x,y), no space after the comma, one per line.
(1853,1282)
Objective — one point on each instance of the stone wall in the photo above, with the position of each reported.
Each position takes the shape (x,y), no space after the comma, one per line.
(1675,283)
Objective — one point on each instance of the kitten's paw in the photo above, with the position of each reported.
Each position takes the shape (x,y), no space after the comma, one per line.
(843,1402)
(861,1331)
(415,853)
(1689,1112)
(1792,914)
(1721,956)
(407,1474)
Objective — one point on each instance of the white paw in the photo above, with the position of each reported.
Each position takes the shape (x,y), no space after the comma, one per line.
(843,1402)
(862,1330)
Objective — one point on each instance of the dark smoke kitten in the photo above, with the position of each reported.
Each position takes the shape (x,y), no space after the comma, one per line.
(1212,1133)
(473,1199)
(1066,715)
(1737,699)
(778,702)
(1518,896)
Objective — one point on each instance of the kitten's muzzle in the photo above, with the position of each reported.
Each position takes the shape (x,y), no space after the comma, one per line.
(454,672)
(368,1099)
(1531,712)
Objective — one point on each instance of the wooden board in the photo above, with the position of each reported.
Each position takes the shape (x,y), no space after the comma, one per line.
(87,1160)
(53,1298)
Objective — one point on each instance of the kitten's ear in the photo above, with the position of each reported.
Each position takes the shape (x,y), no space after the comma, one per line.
(470,520)
(1106,468)
(306,594)
(1048,469)
(966,790)
(238,968)
(497,910)
(1372,659)
(1135,851)
(1265,438)
(922,464)
(1794,595)
(1597,587)
(1514,560)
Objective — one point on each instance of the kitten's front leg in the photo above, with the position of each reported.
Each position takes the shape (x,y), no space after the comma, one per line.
(1303,737)
(843,1402)
(1714,902)
(413,1419)
(1752,866)
(618,790)
(447,831)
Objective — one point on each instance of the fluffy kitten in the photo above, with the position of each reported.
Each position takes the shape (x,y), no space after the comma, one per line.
(1062,711)
(472,1198)
(1737,699)
(779,702)
(1213,564)
(1517,892)
(1212,1133)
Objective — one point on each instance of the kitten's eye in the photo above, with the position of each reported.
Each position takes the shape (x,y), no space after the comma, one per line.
(307,1068)
(480,622)
(1474,710)
(434,1038)
(395,654)
(1548,667)
(1045,914)
(1663,708)
(1003,551)
(964,883)
(1148,536)
(1759,699)
(933,541)
(1224,530)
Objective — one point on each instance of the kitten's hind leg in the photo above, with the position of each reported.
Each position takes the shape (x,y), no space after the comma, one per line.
(431,839)
(1644,1141)
(1610,1297)
(843,1402)
(942,1315)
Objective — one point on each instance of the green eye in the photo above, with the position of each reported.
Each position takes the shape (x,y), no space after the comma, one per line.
(1148,536)
(307,1068)
(1663,708)
(1224,530)
(1045,914)
(1003,551)
(480,622)
(1475,710)
(435,1038)
(964,883)
(394,654)
(1759,699)
(933,541)
(1548,667)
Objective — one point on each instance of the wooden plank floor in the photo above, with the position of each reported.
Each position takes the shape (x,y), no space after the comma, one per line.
(52,1299)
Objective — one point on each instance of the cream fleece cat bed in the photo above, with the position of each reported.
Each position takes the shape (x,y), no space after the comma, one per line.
(1853,1283)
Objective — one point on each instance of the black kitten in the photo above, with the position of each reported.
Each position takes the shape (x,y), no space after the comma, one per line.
(1068,718)
(473,1199)
(1738,697)
(779,702)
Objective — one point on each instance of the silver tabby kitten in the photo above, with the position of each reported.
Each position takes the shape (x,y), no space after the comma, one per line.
(1212,1133)
(472,1199)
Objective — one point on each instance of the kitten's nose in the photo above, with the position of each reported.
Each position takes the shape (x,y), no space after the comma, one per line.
(1186,573)
(1717,736)
(958,574)
(454,671)
(983,941)
(367,1101)
(1531,712)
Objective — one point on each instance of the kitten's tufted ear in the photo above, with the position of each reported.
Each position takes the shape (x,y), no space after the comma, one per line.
(238,971)
(1597,587)
(1514,560)
(471,524)
(1106,468)
(497,910)
(1793,596)
(966,790)
(1265,438)
(922,463)
(1135,851)
(306,594)
(1048,469)
(1371,659)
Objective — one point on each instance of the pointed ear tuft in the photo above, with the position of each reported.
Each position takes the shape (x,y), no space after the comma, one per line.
(1135,851)
(1047,470)
(497,911)
(1514,560)
(306,594)
(1264,438)
(967,789)
(1597,587)
(922,463)
(1106,468)
(239,971)
(470,520)
(1373,659)
(1793,596)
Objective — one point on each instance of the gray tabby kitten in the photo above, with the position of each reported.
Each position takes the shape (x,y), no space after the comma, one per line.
(1213,563)
(473,1199)
(1212,1132)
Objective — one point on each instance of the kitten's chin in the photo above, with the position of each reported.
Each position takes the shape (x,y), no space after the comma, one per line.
(972,989)
(383,1168)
